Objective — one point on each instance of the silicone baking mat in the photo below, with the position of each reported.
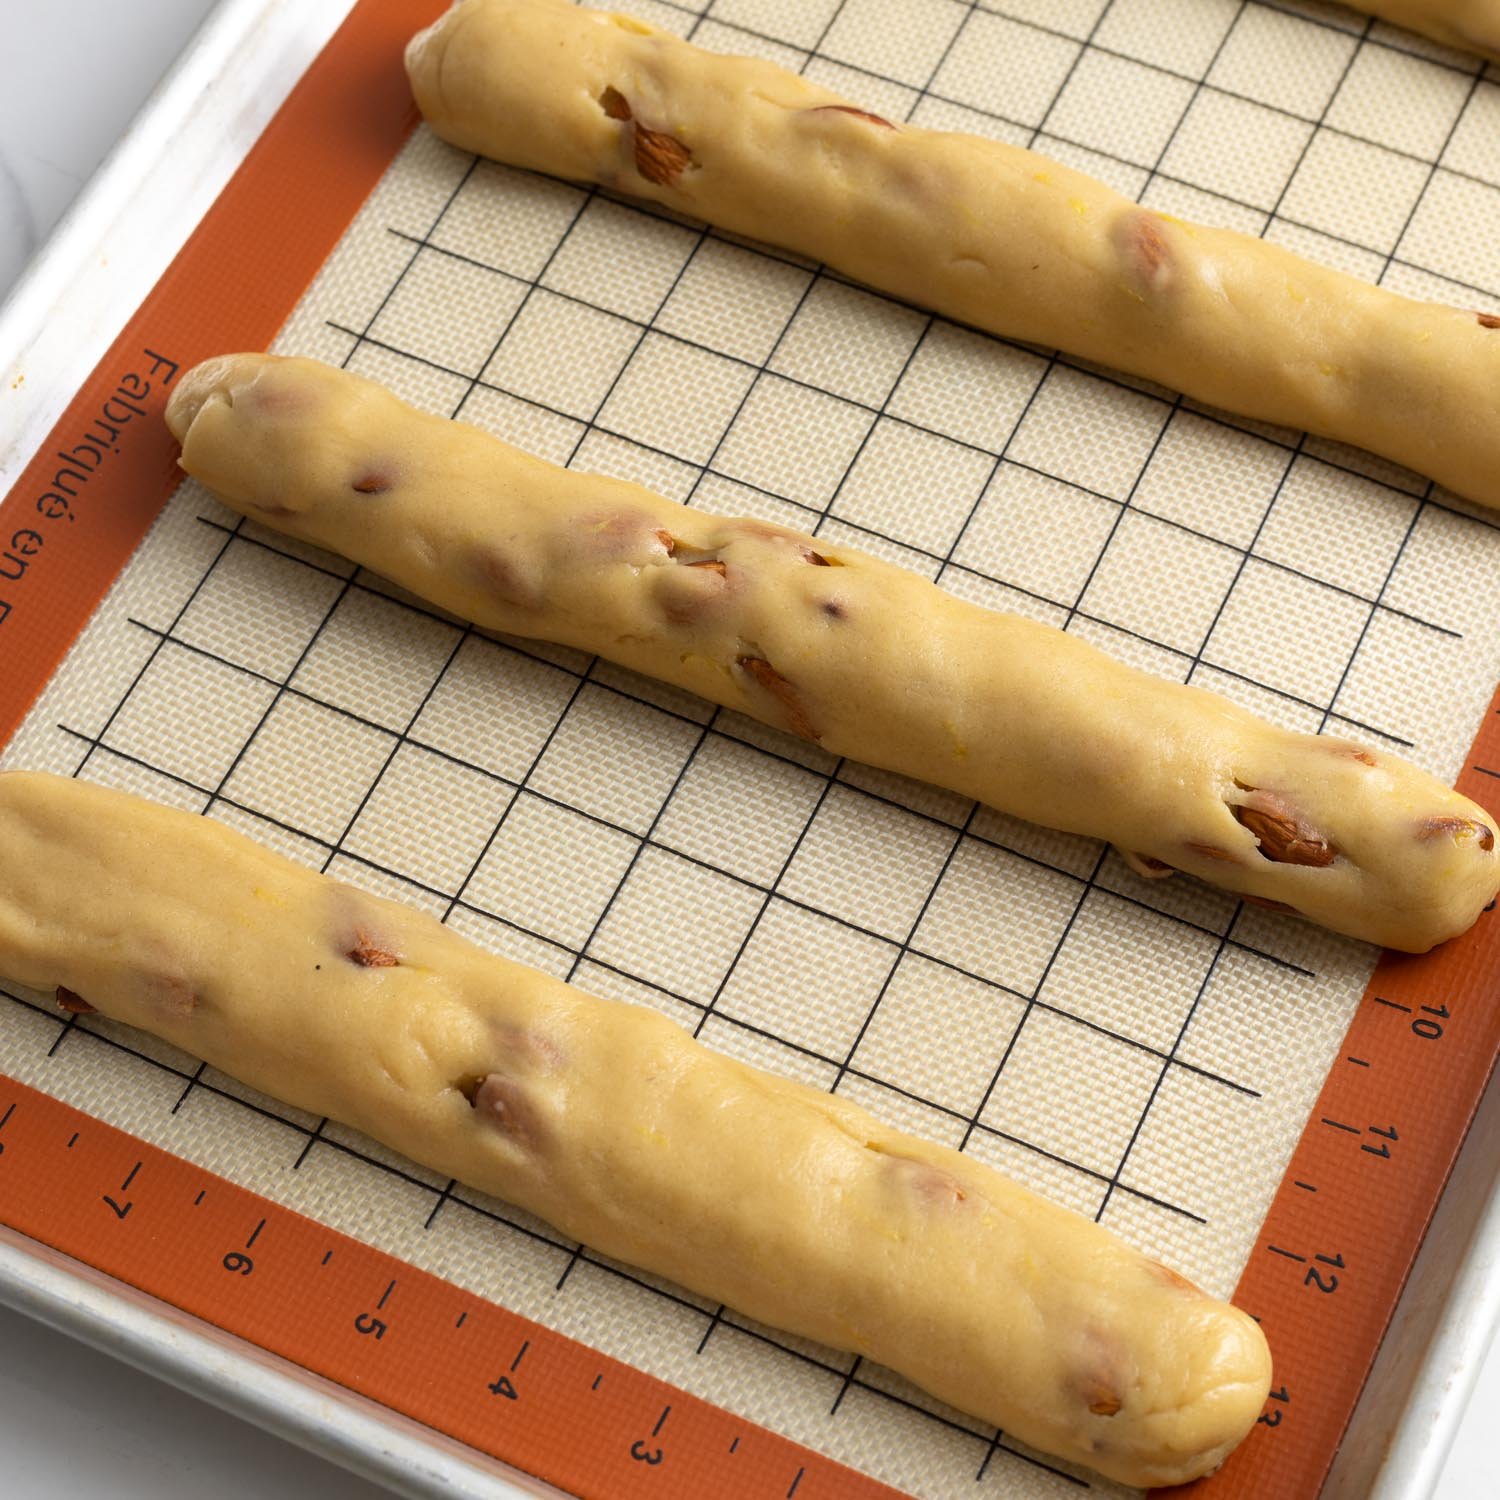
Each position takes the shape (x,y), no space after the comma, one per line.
(1145,1052)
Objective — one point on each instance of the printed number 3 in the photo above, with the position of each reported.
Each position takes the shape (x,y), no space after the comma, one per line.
(644,1455)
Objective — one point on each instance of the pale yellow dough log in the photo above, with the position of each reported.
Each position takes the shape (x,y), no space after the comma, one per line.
(986,233)
(1471,25)
(867,659)
(610,1122)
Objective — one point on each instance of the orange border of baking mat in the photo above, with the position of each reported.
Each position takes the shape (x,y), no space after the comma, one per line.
(1345,1226)
(232,286)
(1342,1232)
(403,1337)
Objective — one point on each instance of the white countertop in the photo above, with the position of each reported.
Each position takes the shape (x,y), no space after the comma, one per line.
(73,1421)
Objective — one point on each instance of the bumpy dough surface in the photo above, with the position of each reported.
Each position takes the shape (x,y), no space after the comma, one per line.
(610,1122)
(982,232)
(866,659)
(1471,25)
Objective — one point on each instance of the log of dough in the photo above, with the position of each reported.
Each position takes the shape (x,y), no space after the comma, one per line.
(866,659)
(985,233)
(610,1122)
(1469,25)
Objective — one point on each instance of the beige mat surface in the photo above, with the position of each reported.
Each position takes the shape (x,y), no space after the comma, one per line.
(1145,1052)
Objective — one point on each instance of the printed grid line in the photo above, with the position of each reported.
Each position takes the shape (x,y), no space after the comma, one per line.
(1073,611)
(1088,887)
(1364,39)
(618,1272)
(455,900)
(882,411)
(614,689)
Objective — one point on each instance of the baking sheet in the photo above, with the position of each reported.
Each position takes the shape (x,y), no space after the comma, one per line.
(964,969)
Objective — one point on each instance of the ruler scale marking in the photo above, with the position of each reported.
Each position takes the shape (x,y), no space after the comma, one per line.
(1420,1048)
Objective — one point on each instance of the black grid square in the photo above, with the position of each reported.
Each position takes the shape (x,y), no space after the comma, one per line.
(1365,193)
(848,342)
(1308,528)
(1320,624)
(1429,100)
(1187,45)
(913,486)
(675,927)
(733,300)
(869,862)
(966,386)
(615,758)
(739,809)
(784,984)
(189,715)
(1161,582)
(677,398)
(407,321)
(1006,68)
(797,22)
(1018,522)
(562,353)
(494,707)
(620,260)
(1074,1092)
(997,916)
(227,617)
(1148,1003)
(1236,147)
(829,432)
(1283,60)
(441,853)
(550,870)
(309,766)
(508,219)
(1123,427)
(941,1032)
(910,54)
(1088,112)
(376,659)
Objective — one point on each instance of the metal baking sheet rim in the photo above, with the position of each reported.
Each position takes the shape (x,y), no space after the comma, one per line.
(103,258)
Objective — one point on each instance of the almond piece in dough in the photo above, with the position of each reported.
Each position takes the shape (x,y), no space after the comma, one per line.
(611,1122)
(983,232)
(865,659)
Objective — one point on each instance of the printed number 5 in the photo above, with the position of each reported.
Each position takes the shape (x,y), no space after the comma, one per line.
(367,1324)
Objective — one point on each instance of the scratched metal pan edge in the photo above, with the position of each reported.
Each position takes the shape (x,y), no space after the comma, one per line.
(58,321)
(101,261)
(136,211)
(316,1414)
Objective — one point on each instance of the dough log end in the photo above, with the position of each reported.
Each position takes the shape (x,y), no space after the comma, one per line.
(424,62)
(217,377)
(1178,1426)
